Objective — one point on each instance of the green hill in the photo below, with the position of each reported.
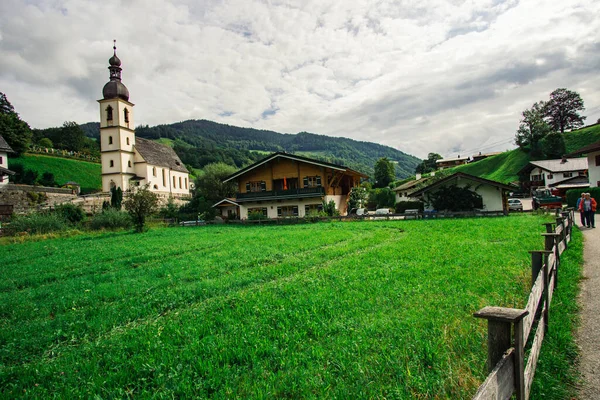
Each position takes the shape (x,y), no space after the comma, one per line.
(200,142)
(87,174)
(505,167)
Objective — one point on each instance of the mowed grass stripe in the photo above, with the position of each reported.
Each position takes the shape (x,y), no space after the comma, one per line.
(381,313)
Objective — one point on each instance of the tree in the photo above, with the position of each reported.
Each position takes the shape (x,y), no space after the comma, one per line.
(429,164)
(116,197)
(140,204)
(210,184)
(455,198)
(16,132)
(553,145)
(329,208)
(562,110)
(384,172)
(532,129)
(358,196)
(71,137)
(382,198)
(47,179)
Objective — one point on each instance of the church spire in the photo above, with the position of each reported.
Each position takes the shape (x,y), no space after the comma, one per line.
(115,64)
(115,88)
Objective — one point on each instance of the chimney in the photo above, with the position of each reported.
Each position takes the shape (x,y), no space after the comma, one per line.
(564,160)
(417,176)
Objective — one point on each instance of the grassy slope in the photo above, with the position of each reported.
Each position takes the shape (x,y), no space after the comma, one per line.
(371,309)
(501,168)
(581,137)
(87,174)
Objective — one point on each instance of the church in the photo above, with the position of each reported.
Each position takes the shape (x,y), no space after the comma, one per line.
(128,161)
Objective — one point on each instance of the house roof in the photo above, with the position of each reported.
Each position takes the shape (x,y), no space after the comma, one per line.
(461,175)
(224,201)
(4,146)
(410,184)
(571,164)
(292,157)
(590,148)
(4,171)
(452,159)
(159,154)
(480,155)
(576,181)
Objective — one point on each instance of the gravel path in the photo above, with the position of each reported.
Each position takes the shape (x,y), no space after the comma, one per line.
(588,336)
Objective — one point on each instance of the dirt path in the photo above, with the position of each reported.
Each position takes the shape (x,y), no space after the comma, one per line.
(588,336)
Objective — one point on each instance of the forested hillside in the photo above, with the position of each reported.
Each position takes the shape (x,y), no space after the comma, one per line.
(200,142)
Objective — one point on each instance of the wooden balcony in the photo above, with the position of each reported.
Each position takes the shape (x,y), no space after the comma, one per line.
(280,194)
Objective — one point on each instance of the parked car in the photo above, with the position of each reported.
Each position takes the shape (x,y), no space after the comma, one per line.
(515,205)
(382,211)
(359,211)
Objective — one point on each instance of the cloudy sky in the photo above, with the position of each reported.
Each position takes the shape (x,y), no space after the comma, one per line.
(449,76)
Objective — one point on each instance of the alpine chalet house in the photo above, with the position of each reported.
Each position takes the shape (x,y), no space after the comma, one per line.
(286,185)
(4,171)
(128,161)
(592,153)
(565,173)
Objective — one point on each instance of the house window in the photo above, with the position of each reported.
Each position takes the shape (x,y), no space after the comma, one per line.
(112,163)
(174,183)
(262,210)
(109,115)
(110,140)
(0,160)
(550,176)
(127,141)
(287,211)
(536,177)
(164,174)
(312,181)
(126,115)
(257,186)
(567,174)
(312,208)
(129,164)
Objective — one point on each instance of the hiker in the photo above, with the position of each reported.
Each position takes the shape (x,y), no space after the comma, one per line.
(581,215)
(588,208)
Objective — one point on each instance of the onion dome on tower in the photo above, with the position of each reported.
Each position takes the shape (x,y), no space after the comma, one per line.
(115,88)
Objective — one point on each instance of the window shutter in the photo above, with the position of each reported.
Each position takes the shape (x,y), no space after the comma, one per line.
(247,187)
(263,186)
(305,181)
(319,180)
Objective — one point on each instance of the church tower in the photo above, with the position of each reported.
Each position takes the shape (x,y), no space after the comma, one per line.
(117,135)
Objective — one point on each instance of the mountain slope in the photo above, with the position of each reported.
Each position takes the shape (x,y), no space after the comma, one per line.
(200,142)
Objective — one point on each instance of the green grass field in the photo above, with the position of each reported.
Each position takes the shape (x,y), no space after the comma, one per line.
(328,310)
(87,174)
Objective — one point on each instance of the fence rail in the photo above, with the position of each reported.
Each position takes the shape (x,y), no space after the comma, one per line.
(509,329)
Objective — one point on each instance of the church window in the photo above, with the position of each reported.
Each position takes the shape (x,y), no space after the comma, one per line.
(112,184)
(0,160)
(180,186)
(186,183)
(110,140)
(156,187)
(153,171)
(174,183)
(164,173)
(126,115)
(129,164)
(127,141)
(109,115)
(112,163)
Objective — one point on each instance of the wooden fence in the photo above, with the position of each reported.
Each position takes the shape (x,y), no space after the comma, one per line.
(509,328)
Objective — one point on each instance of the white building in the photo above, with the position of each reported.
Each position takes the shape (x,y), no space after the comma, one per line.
(128,161)
(4,171)
(548,173)
(592,152)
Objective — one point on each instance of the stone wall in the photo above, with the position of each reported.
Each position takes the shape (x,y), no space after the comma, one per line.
(26,198)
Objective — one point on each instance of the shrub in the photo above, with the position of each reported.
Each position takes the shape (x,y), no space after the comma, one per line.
(111,219)
(381,198)
(402,206)
(455,198)
(170,210)
(574,194)
(48,180)
(256,216)
(70,212)
(36,223)
(140,204)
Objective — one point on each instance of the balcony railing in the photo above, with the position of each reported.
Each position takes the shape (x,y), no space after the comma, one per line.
(281,194)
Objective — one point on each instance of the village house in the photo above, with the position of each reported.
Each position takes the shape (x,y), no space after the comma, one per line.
(565,173)
(451,162)
(592,152)
(483,156)
(403,192)
(4,171)
(286,185)
(494,194)
(127,160)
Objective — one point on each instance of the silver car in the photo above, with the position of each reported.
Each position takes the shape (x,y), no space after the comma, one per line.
(515,205)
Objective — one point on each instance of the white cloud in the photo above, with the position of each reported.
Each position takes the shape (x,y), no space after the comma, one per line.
(421,76)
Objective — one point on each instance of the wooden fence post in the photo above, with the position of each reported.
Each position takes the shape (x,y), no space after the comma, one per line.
(537,262)
(549,227)
(500,321)
(551,242)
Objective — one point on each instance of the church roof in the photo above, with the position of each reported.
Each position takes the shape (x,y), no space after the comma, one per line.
(4,146)
(159,154)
